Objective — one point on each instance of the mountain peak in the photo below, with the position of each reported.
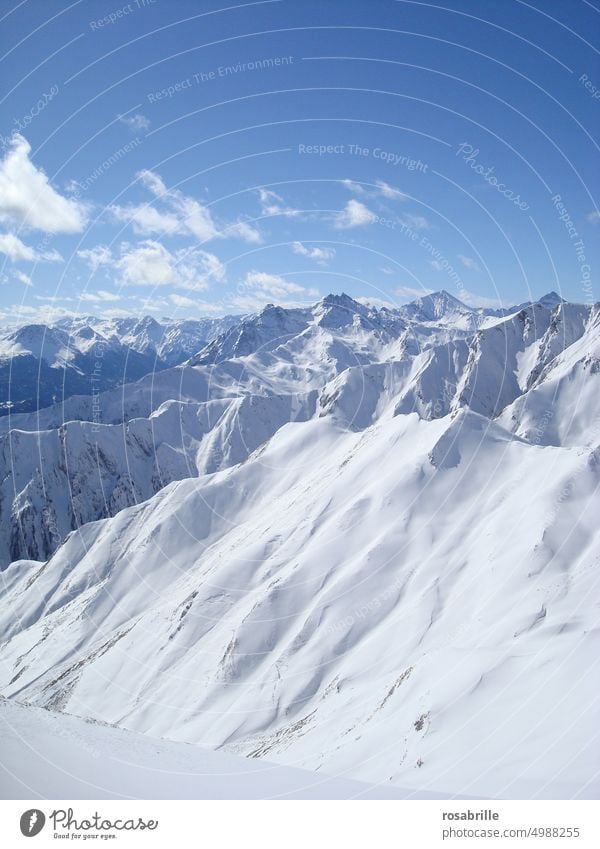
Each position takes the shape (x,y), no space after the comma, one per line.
(341,300)
(551,299)
(435,306)
(338,310)
(442,296)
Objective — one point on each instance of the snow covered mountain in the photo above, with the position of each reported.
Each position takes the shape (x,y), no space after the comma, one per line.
(441,307)
(41,364)
(338,358)
(349,539)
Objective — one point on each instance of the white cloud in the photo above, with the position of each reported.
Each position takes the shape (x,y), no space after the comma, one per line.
(153,305)
(182,301)
(152,182)
(208,264)
(18,251)
(354,214)
(54,299)
(436,264)
(137,122)
(389,192)
(356,188)
(47,314)
(382,189)
(320,255)
(148,264)
(270,202)
(272,284)
(151,264)
(243,230)
(180,215)
(385,269)
(262,288)
(208,308)
(23,278)
(100,296)
(417,222)
(146,219)
(469,262)
(15,249)
(407,293)
(273,204)
(28,199)
(194,217)
(97,256)
(474,300)
(594,217)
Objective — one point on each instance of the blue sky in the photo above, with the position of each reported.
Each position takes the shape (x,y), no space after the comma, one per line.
(183,158)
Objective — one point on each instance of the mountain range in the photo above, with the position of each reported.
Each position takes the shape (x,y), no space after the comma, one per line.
(347,538)
(43,364)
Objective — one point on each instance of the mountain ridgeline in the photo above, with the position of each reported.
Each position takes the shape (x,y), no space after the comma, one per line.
(88,457)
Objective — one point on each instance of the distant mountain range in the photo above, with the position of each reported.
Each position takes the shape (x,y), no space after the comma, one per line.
(45,364)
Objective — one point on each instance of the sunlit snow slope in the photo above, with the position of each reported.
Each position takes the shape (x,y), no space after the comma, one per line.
(55,756)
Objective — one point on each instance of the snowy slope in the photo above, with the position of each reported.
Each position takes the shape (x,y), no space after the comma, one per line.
(53,756)
(344,601)
(54,481)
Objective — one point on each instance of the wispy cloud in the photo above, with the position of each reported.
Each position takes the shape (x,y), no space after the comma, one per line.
(354,187)
(380,189)
(408,293)
(275,286)
(272,204)
(201,307)
(320,255)
(416,222)
(99,297)
(259,288)
(241,229)
(479,301)
(25,279)
(96,257)
(46,314)
(147,220)
(178,213)
(389,192)
(137,122)
(469,262)
(55,299)
(182,301)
